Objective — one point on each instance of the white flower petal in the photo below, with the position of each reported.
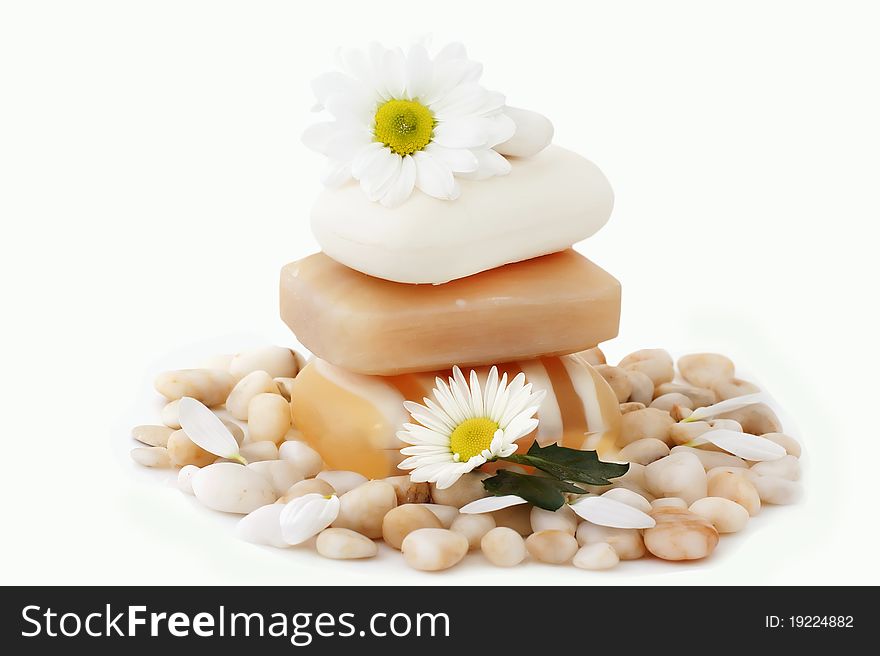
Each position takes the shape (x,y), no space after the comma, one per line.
(476,394)
(462,133)
(307,516)
(434,178)
(491,504)
(726,406)
(336,173)
(380,174)
(490,164)
(365,157)
(463,101)
(744,445)
(459,160)
(206,429)
(450,475)
(501,128)
(403,186)
(608,512)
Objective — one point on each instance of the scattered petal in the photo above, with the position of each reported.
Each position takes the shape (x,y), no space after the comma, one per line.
(307,516)
(725,406)
(744,445)
(491,504)
(206,429)
(608,512)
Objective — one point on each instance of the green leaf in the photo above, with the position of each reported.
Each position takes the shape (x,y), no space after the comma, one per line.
(570,464)
(543,492)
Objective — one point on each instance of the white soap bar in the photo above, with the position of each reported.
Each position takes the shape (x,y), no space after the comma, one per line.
(545,204)
(534,132)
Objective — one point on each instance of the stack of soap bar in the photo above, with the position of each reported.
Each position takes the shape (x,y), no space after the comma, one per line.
(352,419)
(552,305)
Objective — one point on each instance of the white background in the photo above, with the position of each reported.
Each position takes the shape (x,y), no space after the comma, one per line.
(152,184)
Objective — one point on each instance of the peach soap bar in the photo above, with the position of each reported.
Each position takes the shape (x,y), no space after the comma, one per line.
(352,419)
(545,204)
(552,305)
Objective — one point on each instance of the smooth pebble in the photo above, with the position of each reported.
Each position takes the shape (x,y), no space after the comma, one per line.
(303,456)
(433,549)
(598,556)
(233,488)
(344,544)
(554,547)
(341,480)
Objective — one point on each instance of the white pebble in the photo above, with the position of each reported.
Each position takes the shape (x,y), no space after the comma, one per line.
(280,473)
(303,456)
(256,382)
(677,475)
(341,480)
(668,401)
(563,519)
(791,445)
(597,556)
(344,544)
(725,515)
(630,498)
(210,386)
(533,133)
(787,467)
(259,451)
(152,435)
(171,415)
(151,456)
(777,491)
(433,549)
(712,459)
(268,418)
(363,508)
(555,547)
(232,488)
(503,547)
(626,542)
(277,361)
(644,451)
(446,514)
(184,478)
(262,526)
(668,502)
(473,527)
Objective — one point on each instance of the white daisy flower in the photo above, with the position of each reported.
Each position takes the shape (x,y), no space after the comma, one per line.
(466,425)
(407,120)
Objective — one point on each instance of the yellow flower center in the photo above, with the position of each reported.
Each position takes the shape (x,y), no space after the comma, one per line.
(471,437)
(405,126)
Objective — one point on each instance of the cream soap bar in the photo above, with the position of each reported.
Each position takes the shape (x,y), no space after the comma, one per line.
(545,204)
(352,420)
(552,305)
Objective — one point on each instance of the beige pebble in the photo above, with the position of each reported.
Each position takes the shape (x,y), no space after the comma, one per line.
(677,475)
(712,459)
(644,451)
(630,498)
(503,547)
(403,520)
(756,419)
(564,519)
(343,481)
(466,489)
(787,467)
(679,412)
(631,406)
(725,515)
(408,491)
(344,544)
(555,547)
(363,508)
(593,356)
(183,451)
(446,514)
(239,398)
(280,473)
(220,361)
(236,431)
(259,451)
(633,479)
(152,435)
(791,445)
(705,369)
(473,527)
(308,486)
(680,535)
(516,517)
(672,402)
(184,478)
(151,456)
(730,389)
(642,387)
(210,386)
(303,456)
(277,361)
(668,502)
(617,379)
(626,542)
(285,387)
(599,556)
(268,418)
(233,488)
(777,491)
(433,549)
(654,363)
(700,396)
(170,415)
(734,484)
(682,433)
(642,424)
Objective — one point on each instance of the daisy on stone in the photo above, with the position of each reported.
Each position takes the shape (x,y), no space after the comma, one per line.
(466,426)
(407,120)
